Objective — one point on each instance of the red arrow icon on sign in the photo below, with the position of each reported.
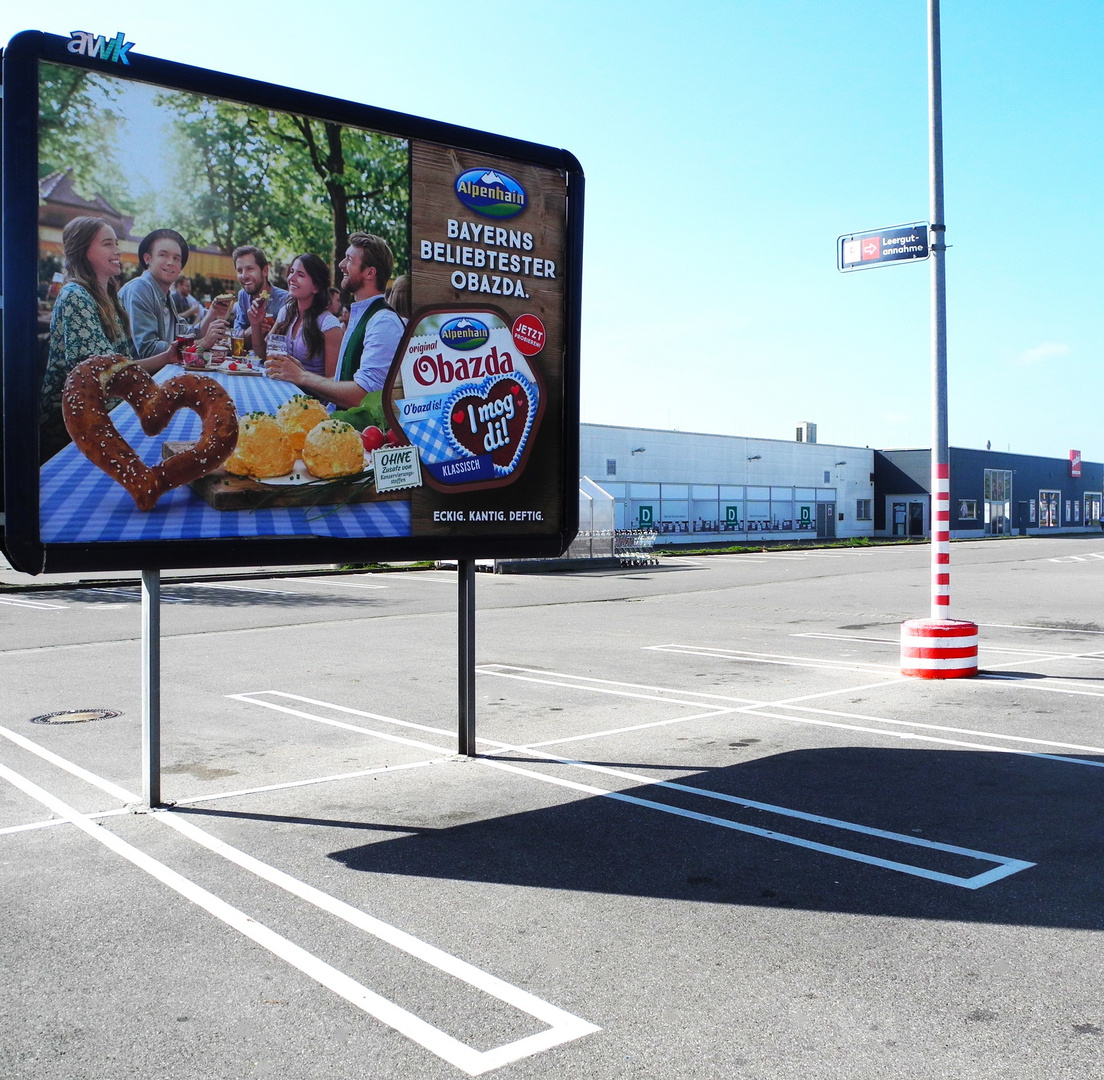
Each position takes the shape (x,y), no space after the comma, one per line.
(871,249)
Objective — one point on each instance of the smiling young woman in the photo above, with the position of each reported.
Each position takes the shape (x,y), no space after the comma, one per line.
(313,333)
(88,319)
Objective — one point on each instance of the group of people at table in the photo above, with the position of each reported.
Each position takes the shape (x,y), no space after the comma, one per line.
(93,315)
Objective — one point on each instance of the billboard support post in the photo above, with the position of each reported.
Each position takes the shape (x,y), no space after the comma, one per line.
(151,687)
(465,574)
(938,647)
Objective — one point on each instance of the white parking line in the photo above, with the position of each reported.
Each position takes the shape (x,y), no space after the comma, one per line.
(135,595)
(1004,867)
(1048,629)
(34,605)
(984,646)
(563,1026)
(333,581)
(747,657)
(311,781)
(758,708)
(50,823)
(231,588)
(850,637)
(829,664)
(254,698)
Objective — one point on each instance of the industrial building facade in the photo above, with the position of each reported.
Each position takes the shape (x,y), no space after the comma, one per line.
(992,493)
(692,487)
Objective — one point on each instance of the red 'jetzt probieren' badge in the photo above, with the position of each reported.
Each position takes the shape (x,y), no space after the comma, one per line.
(528,333)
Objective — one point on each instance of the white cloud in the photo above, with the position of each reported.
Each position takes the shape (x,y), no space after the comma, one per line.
(1049,350)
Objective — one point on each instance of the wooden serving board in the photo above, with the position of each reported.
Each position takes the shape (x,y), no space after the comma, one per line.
(225,491)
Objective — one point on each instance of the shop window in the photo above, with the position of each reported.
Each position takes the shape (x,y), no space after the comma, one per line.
(864,509)
(967,509)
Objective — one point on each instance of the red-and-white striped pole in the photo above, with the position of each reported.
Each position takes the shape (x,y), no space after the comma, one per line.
(939,647)
(940,537)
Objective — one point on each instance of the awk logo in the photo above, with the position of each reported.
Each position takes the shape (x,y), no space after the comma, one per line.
(83,43)
(871,248)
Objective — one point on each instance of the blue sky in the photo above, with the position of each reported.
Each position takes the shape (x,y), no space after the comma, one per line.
(726,145)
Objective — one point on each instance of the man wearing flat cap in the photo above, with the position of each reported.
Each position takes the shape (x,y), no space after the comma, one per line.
(163,253)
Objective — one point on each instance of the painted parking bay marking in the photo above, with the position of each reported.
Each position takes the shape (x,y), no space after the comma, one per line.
(782,659)
(562,1025)
(1003,868)
(33,605)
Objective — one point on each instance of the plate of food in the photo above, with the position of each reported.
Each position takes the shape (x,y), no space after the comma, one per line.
(301,456)
(218,360)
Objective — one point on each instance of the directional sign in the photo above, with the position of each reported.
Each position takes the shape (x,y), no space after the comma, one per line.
(898,243)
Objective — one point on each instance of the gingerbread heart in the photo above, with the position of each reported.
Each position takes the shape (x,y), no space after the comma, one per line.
(493,418)
(84,409)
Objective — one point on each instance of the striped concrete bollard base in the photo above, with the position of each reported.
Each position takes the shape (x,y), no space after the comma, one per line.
(939,648)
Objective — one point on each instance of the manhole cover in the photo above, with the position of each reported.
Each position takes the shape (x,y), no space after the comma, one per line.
(75,716)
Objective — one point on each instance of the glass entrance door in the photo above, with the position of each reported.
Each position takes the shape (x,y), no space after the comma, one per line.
(826,521)
(998,502)
(1049,509)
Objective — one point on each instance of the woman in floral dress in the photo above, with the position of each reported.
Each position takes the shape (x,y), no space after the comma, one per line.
(88,320)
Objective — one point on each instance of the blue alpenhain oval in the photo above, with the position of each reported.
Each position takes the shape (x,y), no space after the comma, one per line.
(491,193)
(464,333)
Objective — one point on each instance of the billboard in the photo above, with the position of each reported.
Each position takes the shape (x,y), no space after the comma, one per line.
(245,324)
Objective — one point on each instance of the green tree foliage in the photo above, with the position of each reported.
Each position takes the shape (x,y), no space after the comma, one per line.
(286,183)
(77,127)
(223,166)
(362,176)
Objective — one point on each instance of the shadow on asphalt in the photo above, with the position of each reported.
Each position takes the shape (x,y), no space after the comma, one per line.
(1033,809)
(270,594)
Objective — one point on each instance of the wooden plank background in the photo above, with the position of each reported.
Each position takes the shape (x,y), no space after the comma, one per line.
(434,170)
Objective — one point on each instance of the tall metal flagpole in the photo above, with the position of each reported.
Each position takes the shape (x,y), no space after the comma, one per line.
(938,647)
(940,448)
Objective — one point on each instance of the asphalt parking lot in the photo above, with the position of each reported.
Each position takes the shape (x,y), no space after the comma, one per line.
(711,831)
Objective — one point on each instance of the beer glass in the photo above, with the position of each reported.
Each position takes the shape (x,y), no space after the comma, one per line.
(185,333)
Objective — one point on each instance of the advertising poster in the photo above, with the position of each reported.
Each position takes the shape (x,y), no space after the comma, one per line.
(263,324)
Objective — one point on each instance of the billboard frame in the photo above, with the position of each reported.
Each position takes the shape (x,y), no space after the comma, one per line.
(20,537)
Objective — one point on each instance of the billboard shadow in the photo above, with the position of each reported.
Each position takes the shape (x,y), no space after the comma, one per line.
(1019,809)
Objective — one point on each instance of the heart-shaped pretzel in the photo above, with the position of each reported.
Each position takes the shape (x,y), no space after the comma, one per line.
(84,409)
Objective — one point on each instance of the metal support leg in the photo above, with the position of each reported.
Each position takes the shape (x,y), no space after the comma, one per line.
(465,571)
(151,687)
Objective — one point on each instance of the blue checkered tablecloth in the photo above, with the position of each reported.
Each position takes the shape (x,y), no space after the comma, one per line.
(81,504)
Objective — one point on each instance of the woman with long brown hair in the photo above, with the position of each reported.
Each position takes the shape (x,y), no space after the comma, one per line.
(313,334)
(88,320)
